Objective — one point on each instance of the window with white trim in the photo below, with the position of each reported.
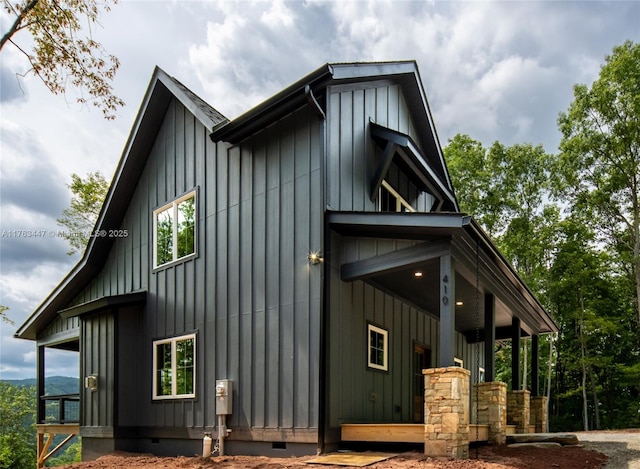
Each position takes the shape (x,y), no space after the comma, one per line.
(174,365)
(389,200)
(480,374)
(458,362)
(174,230)
(378,348)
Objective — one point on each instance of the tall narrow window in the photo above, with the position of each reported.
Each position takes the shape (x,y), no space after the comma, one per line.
(174,367)
(175,230)
(378,348)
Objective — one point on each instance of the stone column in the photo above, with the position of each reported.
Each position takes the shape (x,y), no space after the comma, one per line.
(518,410)
(492,409)
(539,413)
(446,412)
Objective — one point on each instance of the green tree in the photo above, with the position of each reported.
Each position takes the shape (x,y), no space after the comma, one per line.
(71,454)
(599,164)
(506,188)
(596,344)
(17,421)
(80,218)
(477,182)
(56,52)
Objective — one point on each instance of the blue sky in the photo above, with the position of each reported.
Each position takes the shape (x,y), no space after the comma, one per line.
(492,70)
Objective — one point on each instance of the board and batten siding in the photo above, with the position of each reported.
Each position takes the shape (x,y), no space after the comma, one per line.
(249,294)
(60,330)
(358,394)
(353,156)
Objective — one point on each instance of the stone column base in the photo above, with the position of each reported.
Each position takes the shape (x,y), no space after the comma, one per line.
(492,409)
(518,410)
(446,412)
(538,416)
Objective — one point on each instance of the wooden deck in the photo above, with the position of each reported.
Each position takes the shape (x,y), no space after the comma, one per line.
(51,430)
(400,432)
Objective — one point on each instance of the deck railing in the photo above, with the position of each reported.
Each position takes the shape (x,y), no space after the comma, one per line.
(63,408)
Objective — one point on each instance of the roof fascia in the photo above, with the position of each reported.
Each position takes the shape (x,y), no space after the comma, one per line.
(509,272)
(294,96)
(438,220)
(432,127)
(104,302)
(278,105)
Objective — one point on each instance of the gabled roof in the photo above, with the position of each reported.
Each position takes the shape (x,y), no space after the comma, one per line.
(298,94)
(161,90)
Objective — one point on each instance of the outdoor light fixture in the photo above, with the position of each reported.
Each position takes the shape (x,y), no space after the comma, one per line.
(314,257)
(417,274)
(459,303)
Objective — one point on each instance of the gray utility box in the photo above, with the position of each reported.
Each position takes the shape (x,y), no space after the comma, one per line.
(224,396)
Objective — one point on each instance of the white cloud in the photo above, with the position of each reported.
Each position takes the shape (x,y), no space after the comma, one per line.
(24,291)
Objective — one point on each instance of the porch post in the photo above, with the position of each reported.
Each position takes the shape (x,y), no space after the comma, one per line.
(535,385)
(489,337)
(447,311)
(515,354)
(40,364)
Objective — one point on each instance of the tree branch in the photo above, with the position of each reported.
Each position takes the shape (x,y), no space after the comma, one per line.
(17,24)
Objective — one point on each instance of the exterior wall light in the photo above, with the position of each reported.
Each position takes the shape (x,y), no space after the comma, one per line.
(314,258)
(417,274)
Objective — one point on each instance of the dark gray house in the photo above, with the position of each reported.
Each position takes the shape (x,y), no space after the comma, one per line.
(311,251)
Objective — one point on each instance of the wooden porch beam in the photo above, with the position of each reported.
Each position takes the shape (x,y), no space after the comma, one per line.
(401,259)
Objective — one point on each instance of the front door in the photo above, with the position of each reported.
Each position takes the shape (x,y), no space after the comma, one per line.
(421,360)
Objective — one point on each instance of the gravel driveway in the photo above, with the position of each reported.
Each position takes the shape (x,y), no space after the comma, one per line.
(622,447)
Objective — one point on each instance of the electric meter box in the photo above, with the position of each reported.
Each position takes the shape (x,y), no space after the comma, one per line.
(224,396)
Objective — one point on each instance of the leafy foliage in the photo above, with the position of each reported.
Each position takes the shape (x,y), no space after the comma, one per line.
(3,315)
(581,257)
(17,420)
(86,203)
(59,56)
(598,168)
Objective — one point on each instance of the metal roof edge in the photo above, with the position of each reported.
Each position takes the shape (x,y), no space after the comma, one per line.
(509,270)
(293,96)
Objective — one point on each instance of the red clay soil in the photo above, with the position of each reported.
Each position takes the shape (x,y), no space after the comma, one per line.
(488,457)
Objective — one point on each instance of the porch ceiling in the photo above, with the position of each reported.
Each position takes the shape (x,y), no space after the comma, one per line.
(423,292)
(438,234)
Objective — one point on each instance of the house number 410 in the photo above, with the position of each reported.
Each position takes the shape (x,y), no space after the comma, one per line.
(445,298)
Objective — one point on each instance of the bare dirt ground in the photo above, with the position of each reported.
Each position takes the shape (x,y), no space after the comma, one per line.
(599,450)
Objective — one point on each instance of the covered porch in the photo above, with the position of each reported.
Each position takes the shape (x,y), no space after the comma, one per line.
(444,265)
(454,273)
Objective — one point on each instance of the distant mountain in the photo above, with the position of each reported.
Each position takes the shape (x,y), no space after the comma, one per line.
(54,385)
